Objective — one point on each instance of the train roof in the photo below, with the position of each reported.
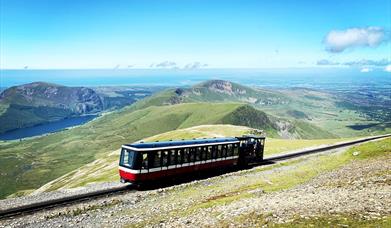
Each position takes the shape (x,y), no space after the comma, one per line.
(180,143)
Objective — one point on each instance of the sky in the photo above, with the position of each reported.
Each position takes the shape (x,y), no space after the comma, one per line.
(73,34)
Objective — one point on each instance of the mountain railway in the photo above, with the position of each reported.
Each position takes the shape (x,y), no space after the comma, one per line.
(255,160)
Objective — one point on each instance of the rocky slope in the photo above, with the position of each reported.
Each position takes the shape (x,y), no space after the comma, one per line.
(40,102)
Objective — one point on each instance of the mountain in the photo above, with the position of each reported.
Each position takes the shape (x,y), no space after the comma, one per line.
(40,102)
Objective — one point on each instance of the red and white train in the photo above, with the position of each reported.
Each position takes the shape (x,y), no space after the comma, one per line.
(145,162)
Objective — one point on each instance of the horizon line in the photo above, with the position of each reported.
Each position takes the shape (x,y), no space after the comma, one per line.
(187,69)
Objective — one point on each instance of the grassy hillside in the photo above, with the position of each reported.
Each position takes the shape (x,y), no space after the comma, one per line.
(30,163)
(105,168)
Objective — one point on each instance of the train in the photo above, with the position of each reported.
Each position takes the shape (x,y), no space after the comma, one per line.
(144,162)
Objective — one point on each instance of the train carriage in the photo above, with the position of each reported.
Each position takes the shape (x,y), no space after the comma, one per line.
(145,162)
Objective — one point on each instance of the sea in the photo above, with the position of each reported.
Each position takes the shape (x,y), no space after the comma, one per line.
(315,77)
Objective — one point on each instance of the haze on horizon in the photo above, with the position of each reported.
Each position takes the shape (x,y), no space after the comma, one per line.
(176,34)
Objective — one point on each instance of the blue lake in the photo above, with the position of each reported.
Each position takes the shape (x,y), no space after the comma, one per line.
(45,128)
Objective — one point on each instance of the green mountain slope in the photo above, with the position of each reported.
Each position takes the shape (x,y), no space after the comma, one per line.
(30,163)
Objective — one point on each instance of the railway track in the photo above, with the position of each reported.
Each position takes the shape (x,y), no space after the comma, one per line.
(321,149)
(37,206)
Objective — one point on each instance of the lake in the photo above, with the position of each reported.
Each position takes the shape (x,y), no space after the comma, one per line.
(46,128)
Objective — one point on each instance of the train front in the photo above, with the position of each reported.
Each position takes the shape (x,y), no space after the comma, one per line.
(128,165)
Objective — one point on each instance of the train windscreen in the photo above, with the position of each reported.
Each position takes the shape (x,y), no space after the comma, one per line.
(129,158)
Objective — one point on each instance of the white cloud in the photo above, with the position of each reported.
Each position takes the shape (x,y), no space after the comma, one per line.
(195,65)
(326,62)
(339,40)
(360,62)
(365,70)
(164,64)
(388,68)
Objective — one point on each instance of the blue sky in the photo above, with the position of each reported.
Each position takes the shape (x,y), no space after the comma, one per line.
(70,34)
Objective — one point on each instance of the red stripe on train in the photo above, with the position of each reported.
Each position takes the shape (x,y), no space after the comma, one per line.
(139,177)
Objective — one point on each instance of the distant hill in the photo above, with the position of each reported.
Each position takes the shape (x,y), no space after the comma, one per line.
(217,91)
(39,102)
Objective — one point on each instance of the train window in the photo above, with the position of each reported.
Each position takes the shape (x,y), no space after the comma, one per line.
(214,152)
(209,153)
(198,153)
(165,158)
(191,154)
(224,150)
(186,155)
(229,150)
(154,159)
(219,151)
(144,161)
(127,158)
(236,149)
(179,156)
(172,157)
(204,152)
